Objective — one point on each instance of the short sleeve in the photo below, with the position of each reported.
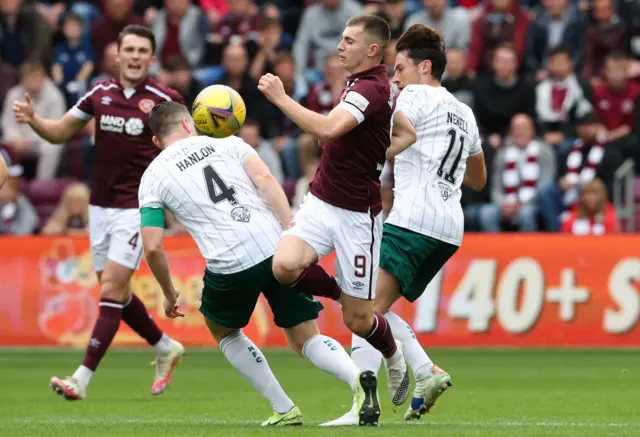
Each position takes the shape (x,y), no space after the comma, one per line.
(364,98)
(243,150)
(83,109)
(410,104)
(148,193)
(476,146)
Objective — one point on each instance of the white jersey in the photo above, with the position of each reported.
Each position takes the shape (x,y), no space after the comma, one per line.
(429,174)
(202,181)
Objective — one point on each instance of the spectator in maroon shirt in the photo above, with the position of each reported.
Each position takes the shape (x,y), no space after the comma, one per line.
(502,21)
(240,23)
(117,15)
(616,103)
(605,35)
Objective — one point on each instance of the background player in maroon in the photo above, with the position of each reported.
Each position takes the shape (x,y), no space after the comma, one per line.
(123,150)
(342,211)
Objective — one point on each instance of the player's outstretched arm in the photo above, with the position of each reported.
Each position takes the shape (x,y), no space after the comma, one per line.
(269,188)
(325,128)
(403,135)
(476,174)
(4,171)
(54,131)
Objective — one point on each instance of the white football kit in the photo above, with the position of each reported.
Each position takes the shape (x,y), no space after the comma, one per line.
(202,181)
(429,174)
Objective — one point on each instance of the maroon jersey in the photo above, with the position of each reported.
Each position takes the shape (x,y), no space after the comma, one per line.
(349,172)
(123,146)
(320,98)
(616,108)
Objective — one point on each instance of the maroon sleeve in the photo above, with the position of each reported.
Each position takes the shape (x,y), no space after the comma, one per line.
(520,36)
(364,98)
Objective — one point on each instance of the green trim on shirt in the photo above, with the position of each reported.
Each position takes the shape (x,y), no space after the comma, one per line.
(152,217)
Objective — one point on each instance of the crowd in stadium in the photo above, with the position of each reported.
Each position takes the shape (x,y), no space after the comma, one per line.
(552,84)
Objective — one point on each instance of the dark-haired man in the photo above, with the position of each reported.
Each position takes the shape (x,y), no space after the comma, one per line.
(123,150)
(425,226)
(343,209)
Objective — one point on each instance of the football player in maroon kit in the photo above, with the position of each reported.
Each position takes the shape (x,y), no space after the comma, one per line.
(343,209)
(123,150)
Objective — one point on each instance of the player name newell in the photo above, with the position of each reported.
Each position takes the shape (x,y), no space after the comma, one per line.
(458,121)
(194,158)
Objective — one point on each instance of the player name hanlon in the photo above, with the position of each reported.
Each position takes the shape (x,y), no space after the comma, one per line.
(194,158)
(458,121)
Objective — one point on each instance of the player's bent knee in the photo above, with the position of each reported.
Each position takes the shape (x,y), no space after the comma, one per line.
(114,290)
(358,322)
(286,270)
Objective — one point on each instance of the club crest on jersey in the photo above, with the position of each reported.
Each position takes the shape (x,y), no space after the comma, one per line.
(146,105)
(241,214)
(445,190)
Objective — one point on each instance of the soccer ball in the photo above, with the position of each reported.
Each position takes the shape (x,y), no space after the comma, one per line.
(219,111)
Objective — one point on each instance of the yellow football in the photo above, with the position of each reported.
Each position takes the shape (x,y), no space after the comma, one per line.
(219,111)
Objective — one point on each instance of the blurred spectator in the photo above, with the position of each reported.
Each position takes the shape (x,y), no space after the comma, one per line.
(560,100)
(589,158)
(456,80)
(281,131)
(594,215)
(109,66)
(502,21)
(519,169)
(324,94)
(177,74)
(49,103)
(395,13)
(73,60)
(631,17)
(9,80)
(178,28)
(51,12)
(239,25)
(250,133)
(271,40)
(604,36)
(71,216)
(117,15)
(454,23)
(23,33)
(616,103)
(215,10)
(302,186)
(17,214)
(320,32)
(499,97)
(235,61)
(558,23)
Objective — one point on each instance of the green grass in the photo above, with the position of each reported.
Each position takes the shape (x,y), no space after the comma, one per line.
(495,393)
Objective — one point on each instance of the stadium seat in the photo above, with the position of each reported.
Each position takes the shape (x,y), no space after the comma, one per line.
(209,75)
(45,195)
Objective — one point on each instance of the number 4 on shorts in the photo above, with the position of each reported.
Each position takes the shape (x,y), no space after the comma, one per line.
(133,242)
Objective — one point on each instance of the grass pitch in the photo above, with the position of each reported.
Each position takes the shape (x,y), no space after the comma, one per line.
(496,393)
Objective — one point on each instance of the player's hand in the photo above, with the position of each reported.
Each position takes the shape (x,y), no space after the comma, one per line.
(23,111)
(271,86)
(171,306)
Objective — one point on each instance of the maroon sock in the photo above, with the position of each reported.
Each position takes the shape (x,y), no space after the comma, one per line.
(381,337)
(317,282)
(103,332)
(135,315)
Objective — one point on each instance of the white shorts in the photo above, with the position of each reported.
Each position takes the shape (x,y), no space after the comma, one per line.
(355,236)
(115,234)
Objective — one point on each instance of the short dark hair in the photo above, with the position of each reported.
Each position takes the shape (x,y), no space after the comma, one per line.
(138,30)
(505,46)
(616,56)
(166,117)
(375,27)
(177,62)
(72,16)
(283,56)
(421,43)
(560,49)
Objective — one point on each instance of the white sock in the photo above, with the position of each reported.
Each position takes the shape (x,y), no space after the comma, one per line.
(364,355)
(327,354)
(414,353)
(163,345)
(247,359)
(83,376)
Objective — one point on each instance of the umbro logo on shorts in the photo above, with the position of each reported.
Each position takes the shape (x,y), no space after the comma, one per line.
(357,284)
